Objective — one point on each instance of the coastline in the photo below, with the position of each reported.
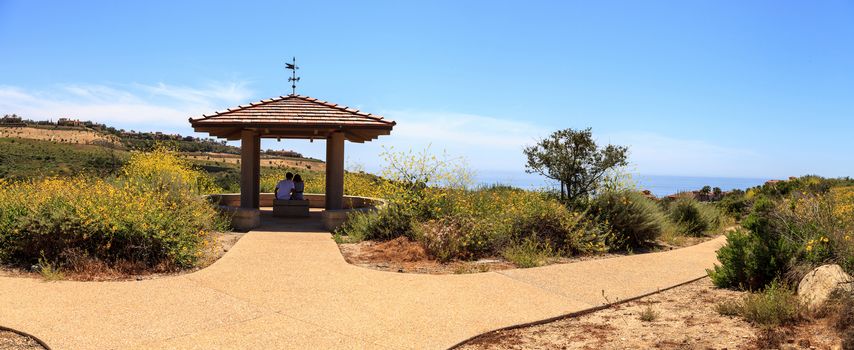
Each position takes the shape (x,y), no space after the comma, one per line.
(659,185)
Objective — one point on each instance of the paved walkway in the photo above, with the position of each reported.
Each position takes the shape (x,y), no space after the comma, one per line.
(277,289)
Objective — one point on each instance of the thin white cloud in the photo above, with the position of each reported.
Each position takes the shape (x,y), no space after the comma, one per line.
(141,106)
(233,93)
(464,129)
(488,143)
(658,154)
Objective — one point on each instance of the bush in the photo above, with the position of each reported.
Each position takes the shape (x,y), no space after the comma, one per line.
(819,228)
(753,257)
(458,237)
(735,204)
(151,215)
(648,314)
(634,219)
(775,306)
(788,237)
(746,263)
(162,170)
(384,224)
(729,308)
(841,310)
(488,221)
(685,213)
(529,253)
(694,218)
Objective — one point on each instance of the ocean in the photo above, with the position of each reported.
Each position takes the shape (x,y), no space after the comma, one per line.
(659,185)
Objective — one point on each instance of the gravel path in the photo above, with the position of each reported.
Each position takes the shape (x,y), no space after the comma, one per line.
(286,285)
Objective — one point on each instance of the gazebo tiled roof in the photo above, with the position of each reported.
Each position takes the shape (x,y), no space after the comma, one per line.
(294,116)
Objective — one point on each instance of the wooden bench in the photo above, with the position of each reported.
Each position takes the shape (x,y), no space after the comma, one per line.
(290,208)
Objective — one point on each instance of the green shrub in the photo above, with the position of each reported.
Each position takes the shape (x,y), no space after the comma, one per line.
(634,219)
(463,238)
(685,213)
(48,271)
(384,224)
(694,218)
(567,232)
(753,257)
(648,314)
(775,306)
(529,253)
(729,308)
(585,235)
(735,204)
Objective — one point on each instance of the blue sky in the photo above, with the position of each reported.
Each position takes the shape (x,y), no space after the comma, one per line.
(714,88)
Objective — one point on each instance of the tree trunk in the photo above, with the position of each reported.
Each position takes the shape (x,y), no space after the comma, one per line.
(562,191)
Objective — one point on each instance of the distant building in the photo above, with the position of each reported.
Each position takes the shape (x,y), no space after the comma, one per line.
(12,121)
(648,194)
(69,122)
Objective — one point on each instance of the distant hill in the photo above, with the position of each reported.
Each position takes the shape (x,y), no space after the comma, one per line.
(74,131)
(22,159)
(31,149)
(30,158)
(80,136)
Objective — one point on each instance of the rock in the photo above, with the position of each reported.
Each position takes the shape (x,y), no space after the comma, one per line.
(820,283)
(486,261)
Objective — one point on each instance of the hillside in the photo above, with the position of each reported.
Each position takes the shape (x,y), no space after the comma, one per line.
(90,133)
(29,158)
(80,136)
(22,158)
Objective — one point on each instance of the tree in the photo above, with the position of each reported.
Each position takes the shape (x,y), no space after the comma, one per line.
(572,158)
(706,189)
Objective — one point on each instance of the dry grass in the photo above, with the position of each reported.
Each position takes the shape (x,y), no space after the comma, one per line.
(404,255)
(14,341)
(265,161)
(85,137)
(648,314)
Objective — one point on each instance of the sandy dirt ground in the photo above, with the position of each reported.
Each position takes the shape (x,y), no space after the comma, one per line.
(14,341)
(682,318)
(404,255)
(58,135)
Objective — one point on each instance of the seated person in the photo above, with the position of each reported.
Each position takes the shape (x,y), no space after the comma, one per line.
(285,187)
(299,186)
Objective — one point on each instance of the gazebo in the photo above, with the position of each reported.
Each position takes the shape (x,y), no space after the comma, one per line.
(292,117)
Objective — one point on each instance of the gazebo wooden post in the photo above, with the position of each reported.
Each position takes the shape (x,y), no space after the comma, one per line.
(250,169)
(335,171)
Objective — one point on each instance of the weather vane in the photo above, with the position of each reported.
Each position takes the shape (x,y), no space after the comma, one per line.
(294,78)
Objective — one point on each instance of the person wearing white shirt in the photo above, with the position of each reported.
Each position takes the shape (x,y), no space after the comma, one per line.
(284,187)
